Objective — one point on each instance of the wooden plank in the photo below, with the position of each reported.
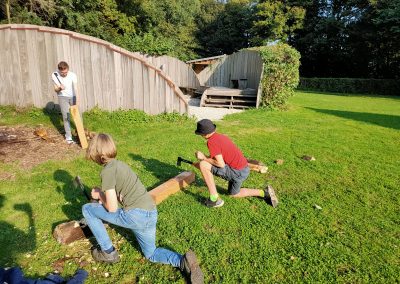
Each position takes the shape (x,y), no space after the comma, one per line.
(25,97)
(146,89)
(152,92)
(171,186)
(79,126)
(34,64)
(257,166)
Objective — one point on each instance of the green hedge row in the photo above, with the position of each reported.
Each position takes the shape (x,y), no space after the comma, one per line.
(351,85)
(281,74)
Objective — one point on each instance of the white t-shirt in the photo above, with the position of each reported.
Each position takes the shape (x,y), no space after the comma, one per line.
(68,81)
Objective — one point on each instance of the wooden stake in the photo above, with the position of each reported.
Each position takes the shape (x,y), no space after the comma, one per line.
(257,166)
(79,126)
(171,186)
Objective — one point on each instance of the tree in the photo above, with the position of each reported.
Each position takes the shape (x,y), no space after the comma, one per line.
(224,27)
(276,20)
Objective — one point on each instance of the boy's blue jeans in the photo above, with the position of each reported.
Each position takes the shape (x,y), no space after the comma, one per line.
(141,222)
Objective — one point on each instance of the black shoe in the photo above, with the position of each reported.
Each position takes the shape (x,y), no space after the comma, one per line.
(191,268)
(217,203)
(101,256)
(270,196)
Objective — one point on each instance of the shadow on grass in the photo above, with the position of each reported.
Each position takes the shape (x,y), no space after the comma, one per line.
(165,171)
(162,171)
(14,241)
(384,120)
(74,197)
(53,112)
(355,95)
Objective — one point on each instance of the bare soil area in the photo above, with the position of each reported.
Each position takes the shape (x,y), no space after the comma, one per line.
(28,147)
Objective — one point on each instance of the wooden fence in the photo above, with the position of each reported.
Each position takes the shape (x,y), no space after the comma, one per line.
(182,74)
(108,76)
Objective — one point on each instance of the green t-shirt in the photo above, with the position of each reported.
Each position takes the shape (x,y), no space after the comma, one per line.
(131,193)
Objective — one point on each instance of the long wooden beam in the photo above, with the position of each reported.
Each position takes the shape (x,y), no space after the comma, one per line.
(171,186)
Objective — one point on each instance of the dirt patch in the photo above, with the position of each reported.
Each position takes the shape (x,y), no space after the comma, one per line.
(23,145)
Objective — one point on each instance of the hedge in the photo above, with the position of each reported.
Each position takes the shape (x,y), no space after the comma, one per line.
(280,74)
(351,85)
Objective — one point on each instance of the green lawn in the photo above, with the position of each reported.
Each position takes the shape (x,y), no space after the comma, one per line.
(354,238)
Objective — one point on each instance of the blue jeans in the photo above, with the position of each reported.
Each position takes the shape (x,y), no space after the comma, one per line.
(141,222)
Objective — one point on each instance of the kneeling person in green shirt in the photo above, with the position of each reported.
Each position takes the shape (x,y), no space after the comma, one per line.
(119,184)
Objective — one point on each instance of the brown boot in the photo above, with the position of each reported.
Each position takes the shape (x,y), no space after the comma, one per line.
(191,268)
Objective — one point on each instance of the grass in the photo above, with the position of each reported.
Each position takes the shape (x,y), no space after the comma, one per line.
(355,180)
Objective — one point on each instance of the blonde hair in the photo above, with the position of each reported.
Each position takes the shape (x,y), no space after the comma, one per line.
(101,149)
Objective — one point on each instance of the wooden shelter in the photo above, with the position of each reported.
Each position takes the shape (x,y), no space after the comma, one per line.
(233,81)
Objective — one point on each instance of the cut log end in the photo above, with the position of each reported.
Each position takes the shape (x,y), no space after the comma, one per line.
(257,166)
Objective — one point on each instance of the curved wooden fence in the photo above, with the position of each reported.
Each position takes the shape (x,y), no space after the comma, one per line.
(182,74)
(108,76)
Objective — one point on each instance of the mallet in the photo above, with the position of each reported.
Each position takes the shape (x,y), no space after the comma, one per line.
(58,79)
(180,160)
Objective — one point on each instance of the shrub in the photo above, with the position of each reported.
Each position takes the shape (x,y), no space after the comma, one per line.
(352,85)
(281,74)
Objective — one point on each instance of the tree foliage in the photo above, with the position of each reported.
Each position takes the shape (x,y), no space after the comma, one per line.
(336,38)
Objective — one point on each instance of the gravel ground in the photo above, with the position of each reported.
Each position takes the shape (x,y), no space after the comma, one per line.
(211,113)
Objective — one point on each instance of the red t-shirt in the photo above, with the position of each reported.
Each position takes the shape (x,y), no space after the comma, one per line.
(221,144)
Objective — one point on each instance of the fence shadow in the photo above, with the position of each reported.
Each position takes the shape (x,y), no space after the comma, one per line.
(384,120)
(14,241)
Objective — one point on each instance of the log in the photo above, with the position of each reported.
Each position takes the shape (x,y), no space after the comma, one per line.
(79,126)
(68,232)
(257,166)
(171,186)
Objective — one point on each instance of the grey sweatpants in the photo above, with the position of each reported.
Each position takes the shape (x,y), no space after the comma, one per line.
(65,103)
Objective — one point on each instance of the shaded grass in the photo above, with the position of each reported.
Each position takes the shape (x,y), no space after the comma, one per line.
(353,238)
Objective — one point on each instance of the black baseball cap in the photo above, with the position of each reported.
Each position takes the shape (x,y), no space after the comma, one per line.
(204,127)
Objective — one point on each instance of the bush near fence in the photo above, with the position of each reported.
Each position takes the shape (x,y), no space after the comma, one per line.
(280,74)
(385,87)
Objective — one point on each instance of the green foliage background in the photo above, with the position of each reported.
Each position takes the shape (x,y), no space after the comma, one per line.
(280,74)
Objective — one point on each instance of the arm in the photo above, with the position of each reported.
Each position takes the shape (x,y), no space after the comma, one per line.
(217,161)
(58,86)
(108,199)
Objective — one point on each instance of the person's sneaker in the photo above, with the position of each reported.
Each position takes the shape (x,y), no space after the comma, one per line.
(190,266)
(210,203)
(101,256)
(270,196)
(70,141)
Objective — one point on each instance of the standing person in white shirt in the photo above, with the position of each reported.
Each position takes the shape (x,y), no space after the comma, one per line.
(65,84)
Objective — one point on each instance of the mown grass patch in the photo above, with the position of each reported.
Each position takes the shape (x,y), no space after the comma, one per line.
(355,180)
